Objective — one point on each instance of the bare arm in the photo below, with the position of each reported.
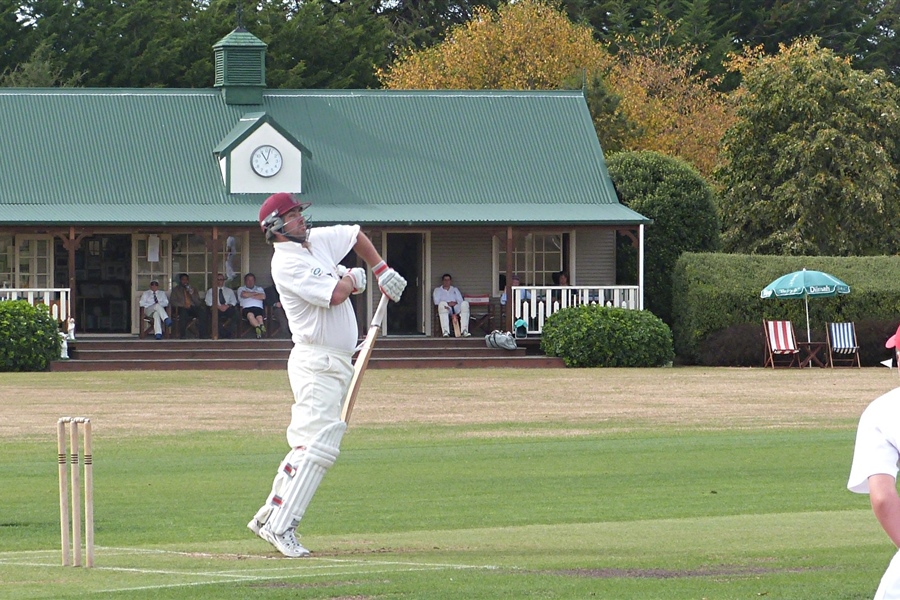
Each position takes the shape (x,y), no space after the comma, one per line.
(365,249)
(886,504)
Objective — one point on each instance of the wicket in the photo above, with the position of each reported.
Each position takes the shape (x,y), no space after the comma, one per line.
(61,427)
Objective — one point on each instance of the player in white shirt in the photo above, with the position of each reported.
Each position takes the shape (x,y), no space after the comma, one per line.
(314,289)
(251,297)
(874,472)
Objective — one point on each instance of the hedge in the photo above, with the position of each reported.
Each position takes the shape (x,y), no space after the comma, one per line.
(718,314)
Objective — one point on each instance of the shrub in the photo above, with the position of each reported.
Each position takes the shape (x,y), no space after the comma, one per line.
(685,219)
(601,336)
(29,337)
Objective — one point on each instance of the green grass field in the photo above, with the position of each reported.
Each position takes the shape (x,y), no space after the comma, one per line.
(623,484)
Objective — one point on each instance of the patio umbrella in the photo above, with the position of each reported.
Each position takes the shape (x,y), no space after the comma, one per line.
(805,284)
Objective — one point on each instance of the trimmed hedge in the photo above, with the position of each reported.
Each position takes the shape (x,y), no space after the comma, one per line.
(718,314)
(601,336)
(29,336)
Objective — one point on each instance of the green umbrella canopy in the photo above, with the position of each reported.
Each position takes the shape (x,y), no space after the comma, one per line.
(803,284)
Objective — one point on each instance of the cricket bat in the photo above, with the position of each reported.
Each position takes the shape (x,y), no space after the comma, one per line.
(362,360)
(455,318)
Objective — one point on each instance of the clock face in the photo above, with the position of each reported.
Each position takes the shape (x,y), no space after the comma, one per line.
(266,161)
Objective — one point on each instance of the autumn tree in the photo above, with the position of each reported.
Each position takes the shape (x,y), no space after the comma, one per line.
(677,109)
(526,45)
(811,164)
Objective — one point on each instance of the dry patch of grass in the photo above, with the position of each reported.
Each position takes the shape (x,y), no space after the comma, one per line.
(569,401)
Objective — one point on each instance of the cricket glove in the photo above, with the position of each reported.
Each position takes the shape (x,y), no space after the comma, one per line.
(390,282)
(356,274)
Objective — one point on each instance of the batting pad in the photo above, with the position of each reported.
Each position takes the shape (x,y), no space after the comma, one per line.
(304,478)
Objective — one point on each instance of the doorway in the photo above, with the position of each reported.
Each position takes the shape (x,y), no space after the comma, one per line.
(103,280)
(405,252)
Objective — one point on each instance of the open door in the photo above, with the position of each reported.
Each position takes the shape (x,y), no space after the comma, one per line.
(405,252)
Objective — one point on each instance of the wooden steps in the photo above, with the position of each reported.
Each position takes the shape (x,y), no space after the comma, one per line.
(128,353)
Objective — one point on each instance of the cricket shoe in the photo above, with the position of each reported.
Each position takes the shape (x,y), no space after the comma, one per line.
(286,543)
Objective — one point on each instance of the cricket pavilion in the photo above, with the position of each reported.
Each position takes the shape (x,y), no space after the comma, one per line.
(106,189)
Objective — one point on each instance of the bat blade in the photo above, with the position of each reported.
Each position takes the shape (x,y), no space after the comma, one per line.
(456,330)
(363,359)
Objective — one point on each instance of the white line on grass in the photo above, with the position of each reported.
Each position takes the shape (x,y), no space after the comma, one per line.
(271,578)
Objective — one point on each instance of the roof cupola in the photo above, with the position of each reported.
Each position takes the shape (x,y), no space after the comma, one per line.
(241,67)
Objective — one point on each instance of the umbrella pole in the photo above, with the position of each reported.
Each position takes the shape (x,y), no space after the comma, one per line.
(806,301)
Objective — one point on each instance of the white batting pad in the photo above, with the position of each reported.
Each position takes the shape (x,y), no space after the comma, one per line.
(304,477)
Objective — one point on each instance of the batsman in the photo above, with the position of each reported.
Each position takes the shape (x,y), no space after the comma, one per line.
(315,292)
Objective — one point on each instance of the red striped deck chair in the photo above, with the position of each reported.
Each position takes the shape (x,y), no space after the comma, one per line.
(781,344)
(843,348)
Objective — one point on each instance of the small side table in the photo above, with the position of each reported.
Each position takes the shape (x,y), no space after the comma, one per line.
(811,353)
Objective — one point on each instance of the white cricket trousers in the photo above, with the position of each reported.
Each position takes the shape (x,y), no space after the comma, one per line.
(889,588)
(320,378)
(158,314)
(462,310)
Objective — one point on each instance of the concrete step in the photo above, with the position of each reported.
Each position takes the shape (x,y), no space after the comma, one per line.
(130,353)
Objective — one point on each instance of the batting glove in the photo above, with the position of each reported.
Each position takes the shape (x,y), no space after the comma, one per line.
(356,274)
(390,282)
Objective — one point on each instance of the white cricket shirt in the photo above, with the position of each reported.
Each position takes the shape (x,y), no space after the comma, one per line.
(877,442)
(305,279)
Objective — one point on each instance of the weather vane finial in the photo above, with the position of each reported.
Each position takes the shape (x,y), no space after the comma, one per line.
(240,16)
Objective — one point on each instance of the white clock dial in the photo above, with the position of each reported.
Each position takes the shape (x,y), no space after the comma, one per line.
(266,161)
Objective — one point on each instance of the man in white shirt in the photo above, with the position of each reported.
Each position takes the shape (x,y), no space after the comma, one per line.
(449,301)
(252,298)
(226,307)
(314,289)
(874,472)
(154,302)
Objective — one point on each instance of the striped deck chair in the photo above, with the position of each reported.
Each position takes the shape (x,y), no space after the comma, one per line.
(781,344)
(842,344)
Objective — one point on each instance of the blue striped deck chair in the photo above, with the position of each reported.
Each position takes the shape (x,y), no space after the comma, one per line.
(843,346)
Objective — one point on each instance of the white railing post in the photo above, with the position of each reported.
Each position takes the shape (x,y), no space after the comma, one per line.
(57,299)
(543,301)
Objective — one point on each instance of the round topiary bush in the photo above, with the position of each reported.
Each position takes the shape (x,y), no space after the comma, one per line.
(29,336)
(601,336)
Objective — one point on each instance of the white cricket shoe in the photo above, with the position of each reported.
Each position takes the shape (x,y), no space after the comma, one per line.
(286,543)
(254,526)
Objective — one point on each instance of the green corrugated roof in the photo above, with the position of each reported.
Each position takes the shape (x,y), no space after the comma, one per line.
(142,157)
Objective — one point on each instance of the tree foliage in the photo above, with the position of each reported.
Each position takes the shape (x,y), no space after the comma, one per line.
(678,111)
(811,164)
(420,24)
(683,208)
(40,70)
(526,45)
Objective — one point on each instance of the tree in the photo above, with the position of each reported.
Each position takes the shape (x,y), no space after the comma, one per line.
(325,44)
(683,208)
(613,128)
(419,24)
(810,165)
(526,45)
(38,71)
(678,111)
